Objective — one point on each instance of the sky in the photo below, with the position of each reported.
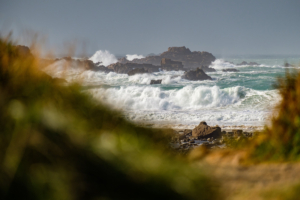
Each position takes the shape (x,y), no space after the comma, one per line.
(232,27)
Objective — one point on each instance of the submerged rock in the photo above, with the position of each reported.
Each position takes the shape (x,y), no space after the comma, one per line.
(124,68)
(196,75)
(137,71)
(205,131)
(230,70)
(155,82)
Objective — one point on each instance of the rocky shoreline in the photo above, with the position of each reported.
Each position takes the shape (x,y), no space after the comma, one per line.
(211,137)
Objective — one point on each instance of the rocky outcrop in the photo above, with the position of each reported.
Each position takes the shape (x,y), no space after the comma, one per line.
(205,131)
(84,64)
(155,82)
(137,71)
(189,59)
(170,65)
(196,75)
(230,70)
(247,63)
(124,68)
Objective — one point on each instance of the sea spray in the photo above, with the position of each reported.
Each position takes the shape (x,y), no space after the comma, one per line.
(104,57)
(134,56)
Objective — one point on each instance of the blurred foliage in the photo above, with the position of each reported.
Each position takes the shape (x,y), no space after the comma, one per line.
(281,140)
(283,193)
(56,142)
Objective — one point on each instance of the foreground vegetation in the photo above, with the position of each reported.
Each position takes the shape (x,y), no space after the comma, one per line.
(57,143)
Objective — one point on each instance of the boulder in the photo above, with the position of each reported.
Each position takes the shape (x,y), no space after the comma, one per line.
(189,59)
(205,131)
(155,82)
(196,75)
(170,65)
(137,71)
(124,68)
(230,70)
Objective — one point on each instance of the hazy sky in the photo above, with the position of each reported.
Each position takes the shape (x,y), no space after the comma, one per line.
(151,26)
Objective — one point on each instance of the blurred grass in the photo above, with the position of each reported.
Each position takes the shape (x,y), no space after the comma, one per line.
(280,142)
(57,143)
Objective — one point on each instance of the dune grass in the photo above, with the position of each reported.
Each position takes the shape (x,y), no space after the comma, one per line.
(56,142)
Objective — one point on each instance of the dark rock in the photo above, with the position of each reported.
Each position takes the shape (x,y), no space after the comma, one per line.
(169,65)
(205,131)
(137,71)
(196,75)
(124,68)
(155,82)
(246,63)
(230,70)
(84,64)
(190,60)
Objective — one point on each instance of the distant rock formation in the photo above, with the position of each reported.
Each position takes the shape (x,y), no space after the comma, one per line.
(169,65)
(190,60)
(84,64)
(246,63)
(155,82)
(205,131)
(124,68)
(196,75)
(137,71)
(230,70)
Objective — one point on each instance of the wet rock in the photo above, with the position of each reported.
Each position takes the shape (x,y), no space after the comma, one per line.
(196,75)
(230,70)
(205,131)
(189,59)
(137,71)
(155,81)
(124,68)
(169,65)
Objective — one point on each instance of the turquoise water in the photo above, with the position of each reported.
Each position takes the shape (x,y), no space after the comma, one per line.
(246,97)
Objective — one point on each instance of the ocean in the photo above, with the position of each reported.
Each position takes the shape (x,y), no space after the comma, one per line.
(244,98)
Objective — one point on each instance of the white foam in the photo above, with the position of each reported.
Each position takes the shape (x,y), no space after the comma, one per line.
(105,57)
(134,56)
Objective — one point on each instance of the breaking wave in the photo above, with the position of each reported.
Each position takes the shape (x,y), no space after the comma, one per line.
(134,56)
(104,57)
